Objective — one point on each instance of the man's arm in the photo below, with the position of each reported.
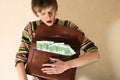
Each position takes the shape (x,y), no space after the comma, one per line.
(21,71)
(61,66)
(83,60)
(22,54)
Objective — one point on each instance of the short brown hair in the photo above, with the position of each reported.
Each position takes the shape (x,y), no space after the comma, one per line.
(42,4)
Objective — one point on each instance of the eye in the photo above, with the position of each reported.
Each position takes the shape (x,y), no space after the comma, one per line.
(50,12)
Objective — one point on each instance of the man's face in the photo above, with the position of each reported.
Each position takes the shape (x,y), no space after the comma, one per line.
(47,15)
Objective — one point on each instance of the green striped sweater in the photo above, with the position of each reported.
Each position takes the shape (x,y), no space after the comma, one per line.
(28,35)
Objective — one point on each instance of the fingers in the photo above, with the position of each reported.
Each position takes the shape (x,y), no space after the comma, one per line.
(49,65)
(49,70)
(55,68)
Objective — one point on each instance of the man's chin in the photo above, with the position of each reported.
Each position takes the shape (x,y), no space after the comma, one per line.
(50,24)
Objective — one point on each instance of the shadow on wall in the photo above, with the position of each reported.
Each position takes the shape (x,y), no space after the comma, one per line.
(100,17)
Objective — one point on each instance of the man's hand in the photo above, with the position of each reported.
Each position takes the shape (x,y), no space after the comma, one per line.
(54,68)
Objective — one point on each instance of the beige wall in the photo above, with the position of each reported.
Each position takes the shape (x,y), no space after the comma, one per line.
(99,19)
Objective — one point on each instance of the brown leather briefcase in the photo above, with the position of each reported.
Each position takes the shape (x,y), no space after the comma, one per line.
(55,33)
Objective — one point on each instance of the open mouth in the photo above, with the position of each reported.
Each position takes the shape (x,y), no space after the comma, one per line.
(49,21)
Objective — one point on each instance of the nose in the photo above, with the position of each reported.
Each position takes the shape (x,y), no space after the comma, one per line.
(48,16)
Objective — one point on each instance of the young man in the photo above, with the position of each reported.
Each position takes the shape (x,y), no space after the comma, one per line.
(46,11)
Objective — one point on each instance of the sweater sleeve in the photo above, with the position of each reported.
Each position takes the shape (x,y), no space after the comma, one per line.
(87,45)
(22,54)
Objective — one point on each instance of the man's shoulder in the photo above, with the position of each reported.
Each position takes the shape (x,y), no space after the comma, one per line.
(32,25)
(64,22)
(68,23)
(35,22)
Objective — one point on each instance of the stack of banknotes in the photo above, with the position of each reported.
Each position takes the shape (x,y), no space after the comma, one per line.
(53,47)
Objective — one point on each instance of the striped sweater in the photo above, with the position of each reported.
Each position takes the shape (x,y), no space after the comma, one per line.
(28,35)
